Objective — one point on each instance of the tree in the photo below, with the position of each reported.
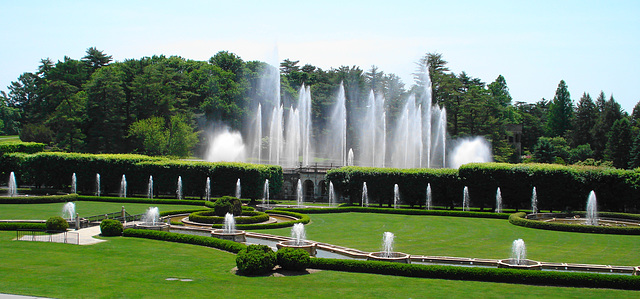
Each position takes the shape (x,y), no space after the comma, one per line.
(9,116)
(151,136)
(619,143)
(500,91)
(551,150)
(634,155)
(584,120)
(68,120)
(182,137)
(96,59)
(560,112)
(608,112)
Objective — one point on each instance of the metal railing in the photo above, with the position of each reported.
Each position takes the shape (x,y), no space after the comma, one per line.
(47,236)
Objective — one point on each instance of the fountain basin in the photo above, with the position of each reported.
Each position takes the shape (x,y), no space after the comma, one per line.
(309,247)
(396,257)
(235,235)
(523,264)
(161,226)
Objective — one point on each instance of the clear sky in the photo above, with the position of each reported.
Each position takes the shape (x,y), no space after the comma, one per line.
(592,45)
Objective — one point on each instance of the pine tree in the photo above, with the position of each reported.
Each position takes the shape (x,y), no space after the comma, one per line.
(584,120)
(619,143)
(560,112)
(608,112)
(634,155)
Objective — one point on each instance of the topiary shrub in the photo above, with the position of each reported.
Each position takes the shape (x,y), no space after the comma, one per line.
(110,228)
(256,260)
(57,223)
(293,258)
(227,204)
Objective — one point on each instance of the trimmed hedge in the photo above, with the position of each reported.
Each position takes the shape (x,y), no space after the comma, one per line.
(295,259)
(38,199)
(141,200)
(225,245)
(209,217)
(552,278)
(110,228)
(22,225)
(302,218)
(256,260)
(185,211)
(518,219)
(347,209)
(21,147)
(57,223)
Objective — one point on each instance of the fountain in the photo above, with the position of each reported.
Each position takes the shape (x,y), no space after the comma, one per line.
(179,188)
(228,231)
(465,199)
(429,200)
(498,201)
(365,195)
(299,196)
(238,189)
(396,196)
(97,184)
(69,211)
(123,186)
(387,253)
(265,192)
(150,188)
(332,194)
(350,158)
(299,240)
(151,220)
(225,145)
(74,184)
(534,201)
(592,209)
(466,151)
(13,187)
(518,258)
(207,190)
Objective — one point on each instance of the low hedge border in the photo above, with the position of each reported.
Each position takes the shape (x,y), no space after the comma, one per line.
(141,200)
(225,245)
(347,209)
(38,199)
(518,219)
(302,218)
(550,278)
(209,217)
(22,225)
(176,212)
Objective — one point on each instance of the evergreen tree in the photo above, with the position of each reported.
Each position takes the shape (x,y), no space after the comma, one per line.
(634,155)
(608,112)
(560,112)
(96,59)
(619,143)
(584,120)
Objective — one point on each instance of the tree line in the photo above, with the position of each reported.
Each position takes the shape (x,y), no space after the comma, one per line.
(159,105)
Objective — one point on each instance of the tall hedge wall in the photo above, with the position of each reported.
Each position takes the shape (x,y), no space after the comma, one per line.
(52,169)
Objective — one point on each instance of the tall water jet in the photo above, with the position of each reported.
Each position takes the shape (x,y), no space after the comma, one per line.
(387,254)
(465,199)
(74,184)
(238,189)
(207,190)
(518,252)
(276,137)
(298,234)
(371,132)
(151,216)
(332,194)
(293,139)
(97,184)
(229,224)
(498,201)
(336,138)
(518,258)
(534,201)
(299,195)
(13,186)
(304,105)
(396,196)
(69,211)
(179,188)
(592,209)
(387,244)
(365,195)
(466,151)
(350,157)
(265,192)
(257,138)
(123,187)
(429,199)
(225,145)
(150,187)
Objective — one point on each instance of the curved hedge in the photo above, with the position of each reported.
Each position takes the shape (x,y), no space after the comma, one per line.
(556,278)
(347,209)
(518,219)
(302,218)
(209,217)
(185,211)
(184,238)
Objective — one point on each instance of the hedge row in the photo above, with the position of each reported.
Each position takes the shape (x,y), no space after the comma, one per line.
(21,147)
(347,209)
(209,217)
(558,187)
(38,199)
(52,169)
(302,218)
(177,212)
(22,225)
(518,219)
(142,200)
(553,278)
(184,238)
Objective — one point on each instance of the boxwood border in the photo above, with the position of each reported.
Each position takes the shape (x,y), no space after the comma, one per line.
(519,220)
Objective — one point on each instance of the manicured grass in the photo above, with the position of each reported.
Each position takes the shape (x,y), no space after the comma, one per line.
(468,237)
(138,268)
(84,208)
(9,138)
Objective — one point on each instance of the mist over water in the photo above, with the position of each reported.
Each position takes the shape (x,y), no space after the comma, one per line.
(227,146)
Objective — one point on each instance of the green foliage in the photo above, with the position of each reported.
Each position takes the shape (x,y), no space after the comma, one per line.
(36,133)
(619,143)
(141,200)
(22,147)
(110,228)
(560,112)
(210,216)
(156,139)
(227,204)
(547,150)
(38,199)
(518,219)
(225,245)
(57,223)
(22,225)
(357,209)
(295,259)
(568,279)
(256,260)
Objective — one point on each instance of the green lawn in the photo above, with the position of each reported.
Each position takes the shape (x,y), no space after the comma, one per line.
(468,237)
(9,138)
(84,208)
(138,268)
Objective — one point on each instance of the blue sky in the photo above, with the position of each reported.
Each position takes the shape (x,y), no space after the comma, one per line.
(592,45)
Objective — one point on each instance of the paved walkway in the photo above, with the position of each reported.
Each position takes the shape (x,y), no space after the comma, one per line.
(84,236)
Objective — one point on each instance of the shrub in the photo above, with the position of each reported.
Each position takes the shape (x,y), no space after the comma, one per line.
(293,258)
(38,199)
(208,216)
(22,225)
(57,223)
(225,245)
(21,147)
(110,228)
(227,204)
(256,260)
